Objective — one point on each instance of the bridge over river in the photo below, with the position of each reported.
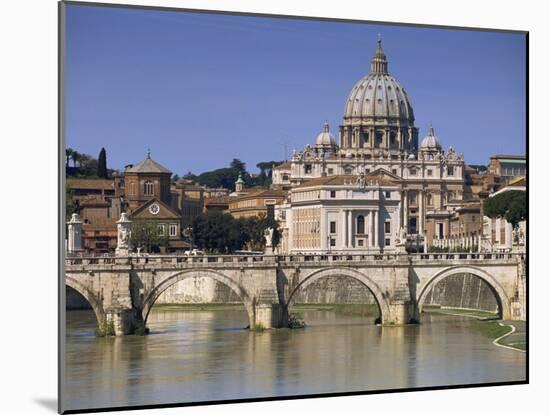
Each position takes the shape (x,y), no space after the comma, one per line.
(123,289)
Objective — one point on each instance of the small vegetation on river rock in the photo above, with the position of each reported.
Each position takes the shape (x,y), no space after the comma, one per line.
(106,328)
(295,321)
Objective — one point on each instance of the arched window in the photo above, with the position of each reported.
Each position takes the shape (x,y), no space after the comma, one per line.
(148,188)
(360,224)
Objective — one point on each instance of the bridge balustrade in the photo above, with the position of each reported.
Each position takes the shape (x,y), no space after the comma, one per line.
(283,259)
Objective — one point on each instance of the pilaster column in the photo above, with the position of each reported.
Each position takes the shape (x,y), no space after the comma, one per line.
(368,220)
(350,229)
(376,236)
(344,228)
(405,208)
(497,231)
(421,212)
(508,235)
(323,232)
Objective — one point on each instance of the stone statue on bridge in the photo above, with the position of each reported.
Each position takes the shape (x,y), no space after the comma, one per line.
(123,235)
(74,234)
(401,241)
(268,235)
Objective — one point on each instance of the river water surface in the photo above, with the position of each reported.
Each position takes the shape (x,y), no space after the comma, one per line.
(193,356)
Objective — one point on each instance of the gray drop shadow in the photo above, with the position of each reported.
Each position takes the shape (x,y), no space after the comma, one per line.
(48,403)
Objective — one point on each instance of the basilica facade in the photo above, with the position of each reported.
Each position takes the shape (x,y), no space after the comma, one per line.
(378,150)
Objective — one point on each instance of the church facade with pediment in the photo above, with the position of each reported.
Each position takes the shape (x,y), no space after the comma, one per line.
(378,136)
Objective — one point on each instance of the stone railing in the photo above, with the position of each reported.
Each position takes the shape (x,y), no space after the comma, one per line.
(240,260)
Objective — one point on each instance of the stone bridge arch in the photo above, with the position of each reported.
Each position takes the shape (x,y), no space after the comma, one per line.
(378,294)
(92,299)
(176,277)
(503,300)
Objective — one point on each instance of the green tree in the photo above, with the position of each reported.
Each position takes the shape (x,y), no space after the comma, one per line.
(76,156)
(71,206)
(217,232)
(146,235)
(511,205)
(238,165)
(102,164)
(68,155)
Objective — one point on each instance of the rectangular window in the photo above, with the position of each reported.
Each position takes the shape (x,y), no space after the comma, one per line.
(430,172)
(360,242)
(387,242)
(330,172)
(332,227)
(394,171)
(387,227)
(307,169)
(333,194)
(412,171)
(173,229)
(332,242)
(450,171)
(161,228)
(388,195)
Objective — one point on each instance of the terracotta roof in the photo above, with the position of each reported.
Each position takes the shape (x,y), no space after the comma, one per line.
(261,194)
(148,166)
(89,184)
(94,201)
(222,200)
(100,224)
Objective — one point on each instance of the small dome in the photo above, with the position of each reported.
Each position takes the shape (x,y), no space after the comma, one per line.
(430,142)
(325,139)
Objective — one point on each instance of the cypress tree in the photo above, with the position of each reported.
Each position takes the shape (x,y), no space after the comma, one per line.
(102,164)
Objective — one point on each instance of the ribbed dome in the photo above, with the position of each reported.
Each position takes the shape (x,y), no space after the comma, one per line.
(379,95)
(430,142)
(325,138)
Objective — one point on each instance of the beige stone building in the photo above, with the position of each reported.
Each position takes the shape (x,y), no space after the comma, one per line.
(342,214)
(259,202)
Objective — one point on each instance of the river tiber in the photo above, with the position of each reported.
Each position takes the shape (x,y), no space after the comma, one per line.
(376,260)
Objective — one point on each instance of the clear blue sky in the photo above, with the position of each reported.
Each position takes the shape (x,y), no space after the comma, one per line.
(200,90)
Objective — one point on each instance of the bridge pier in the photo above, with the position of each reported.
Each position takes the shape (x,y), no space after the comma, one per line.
(125,320)
(398,313)
(270,316)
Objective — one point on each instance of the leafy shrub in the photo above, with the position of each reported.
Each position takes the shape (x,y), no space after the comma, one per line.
(295,321)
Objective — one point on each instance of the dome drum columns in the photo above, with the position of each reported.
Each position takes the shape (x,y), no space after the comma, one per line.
(393,139)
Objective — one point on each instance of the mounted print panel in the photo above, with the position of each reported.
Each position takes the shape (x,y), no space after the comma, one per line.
(271,207)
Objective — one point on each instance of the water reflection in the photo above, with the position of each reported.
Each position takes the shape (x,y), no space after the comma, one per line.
(207,355)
